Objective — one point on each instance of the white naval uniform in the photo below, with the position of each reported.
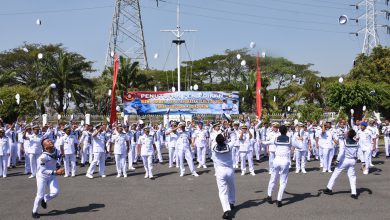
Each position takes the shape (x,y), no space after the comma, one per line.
(4,154)
(47,164)
(99,155)
(224,173)
(301,150)
(365,144)
(184,151)
(34,151)
(26,147)
(147,151)
(314,150)
(132,134)
(264,132)
(246,152)
(69,142)
(86,140)
(280,165)
(346,160)
(326,144)
(270,141)
(386,134)
(172,153)
(234,145)
(11,134)
(121,147)
(201,137)
(375,132)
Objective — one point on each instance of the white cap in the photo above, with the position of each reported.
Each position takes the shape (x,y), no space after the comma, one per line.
(140,122)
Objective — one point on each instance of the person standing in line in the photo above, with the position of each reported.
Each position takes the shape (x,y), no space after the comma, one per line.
(133,145)
(281,165)
(146,149)
(68,145)
(302,145)
(346,160)
(224,173)
(200,138)
(172,135)
(365,137)
(4,153)
(183,146)
(245,139)
(48,168)
(386,136)
(99,152)
(121,147)
(270,142)
(86,140)
(326,142)
(34,149)
(11,133)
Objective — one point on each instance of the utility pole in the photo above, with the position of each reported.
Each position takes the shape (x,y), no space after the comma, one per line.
(178,33)
(371,37)
(127,34)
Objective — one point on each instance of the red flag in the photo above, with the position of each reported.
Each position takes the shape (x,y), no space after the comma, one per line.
(113,101)
(259,107)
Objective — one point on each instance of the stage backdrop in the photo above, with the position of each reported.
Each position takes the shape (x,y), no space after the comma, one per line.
(181,102)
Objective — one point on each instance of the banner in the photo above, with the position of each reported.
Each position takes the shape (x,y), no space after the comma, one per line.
(181,103)
(259,105)
(113,101)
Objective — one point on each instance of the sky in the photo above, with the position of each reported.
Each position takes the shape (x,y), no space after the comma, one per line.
(303,31)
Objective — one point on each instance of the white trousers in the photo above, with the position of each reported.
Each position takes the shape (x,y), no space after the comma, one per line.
(366,158)
(327,154)
(13,155)
(300,159)
(86,154)
(349,165)
(33,163)
(201,153)
(172,156)
(159,154)
(131,155)
(19,153)
(271,161)
(244,156)
(120,162)
(263,147)
(70,161)
(256,146)
(42,183)
(185,153)
(27,168)
(314,150)
(280,170)
(3,165)
(226,188)
(98,158)
(235,155)
(148,164)
(387,146)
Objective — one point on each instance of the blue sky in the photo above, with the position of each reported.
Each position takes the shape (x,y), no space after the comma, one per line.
(304,31)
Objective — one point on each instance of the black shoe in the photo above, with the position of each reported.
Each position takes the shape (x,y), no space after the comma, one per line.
(269,199)
(35,215)
(13,166)
(387,157)
(226,215)
(231,206)
(279,203)
(327,191)
(43,204)
(354,196)
(82,165)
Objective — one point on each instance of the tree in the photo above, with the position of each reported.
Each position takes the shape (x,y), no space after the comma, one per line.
(66,71)
(10,110)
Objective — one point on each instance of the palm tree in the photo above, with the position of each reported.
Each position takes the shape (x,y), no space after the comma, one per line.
(63,80)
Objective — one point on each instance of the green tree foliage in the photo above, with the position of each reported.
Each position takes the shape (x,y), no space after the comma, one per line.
(310,112)
(9,110)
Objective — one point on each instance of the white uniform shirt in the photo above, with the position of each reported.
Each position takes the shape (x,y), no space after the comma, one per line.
(86,139)
(365,139)
(146,142)
(98,143)
(68,142)
(172,138)
(326,139)
(200,136)
(120,143)
(213,136)
(4,146)
(245,142)
(270,141)
(183,142)
(47,164)
(35,146)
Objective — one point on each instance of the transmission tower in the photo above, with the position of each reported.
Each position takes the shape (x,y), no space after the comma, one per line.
(127,34)
(371,37)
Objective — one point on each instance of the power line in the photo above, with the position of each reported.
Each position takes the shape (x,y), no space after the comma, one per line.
(56,10)
(252,22)
(308,5)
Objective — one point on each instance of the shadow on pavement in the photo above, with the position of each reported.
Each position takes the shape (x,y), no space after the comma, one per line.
(248,204)
(359,191)
(90,208)
(296,197)
(158,175)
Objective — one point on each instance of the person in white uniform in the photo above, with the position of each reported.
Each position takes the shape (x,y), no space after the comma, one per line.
(234,142)
(224,173)
(121,143)
(264,132)
(183,145)
(365,136)
(86,140)
(11,133)
(146,148)
(35,148)
(4,153)
(302,146)
(246,150)
(172,136)
(99,152)
(68,144)
(346,160)
(200,138)
(280,165)
(132,134)
(48,168)
(326,142)
(386,136)
(270,142)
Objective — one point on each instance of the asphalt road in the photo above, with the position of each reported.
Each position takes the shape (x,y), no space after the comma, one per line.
(172,197)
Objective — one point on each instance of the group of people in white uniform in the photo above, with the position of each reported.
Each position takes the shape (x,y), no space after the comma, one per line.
(227,143)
